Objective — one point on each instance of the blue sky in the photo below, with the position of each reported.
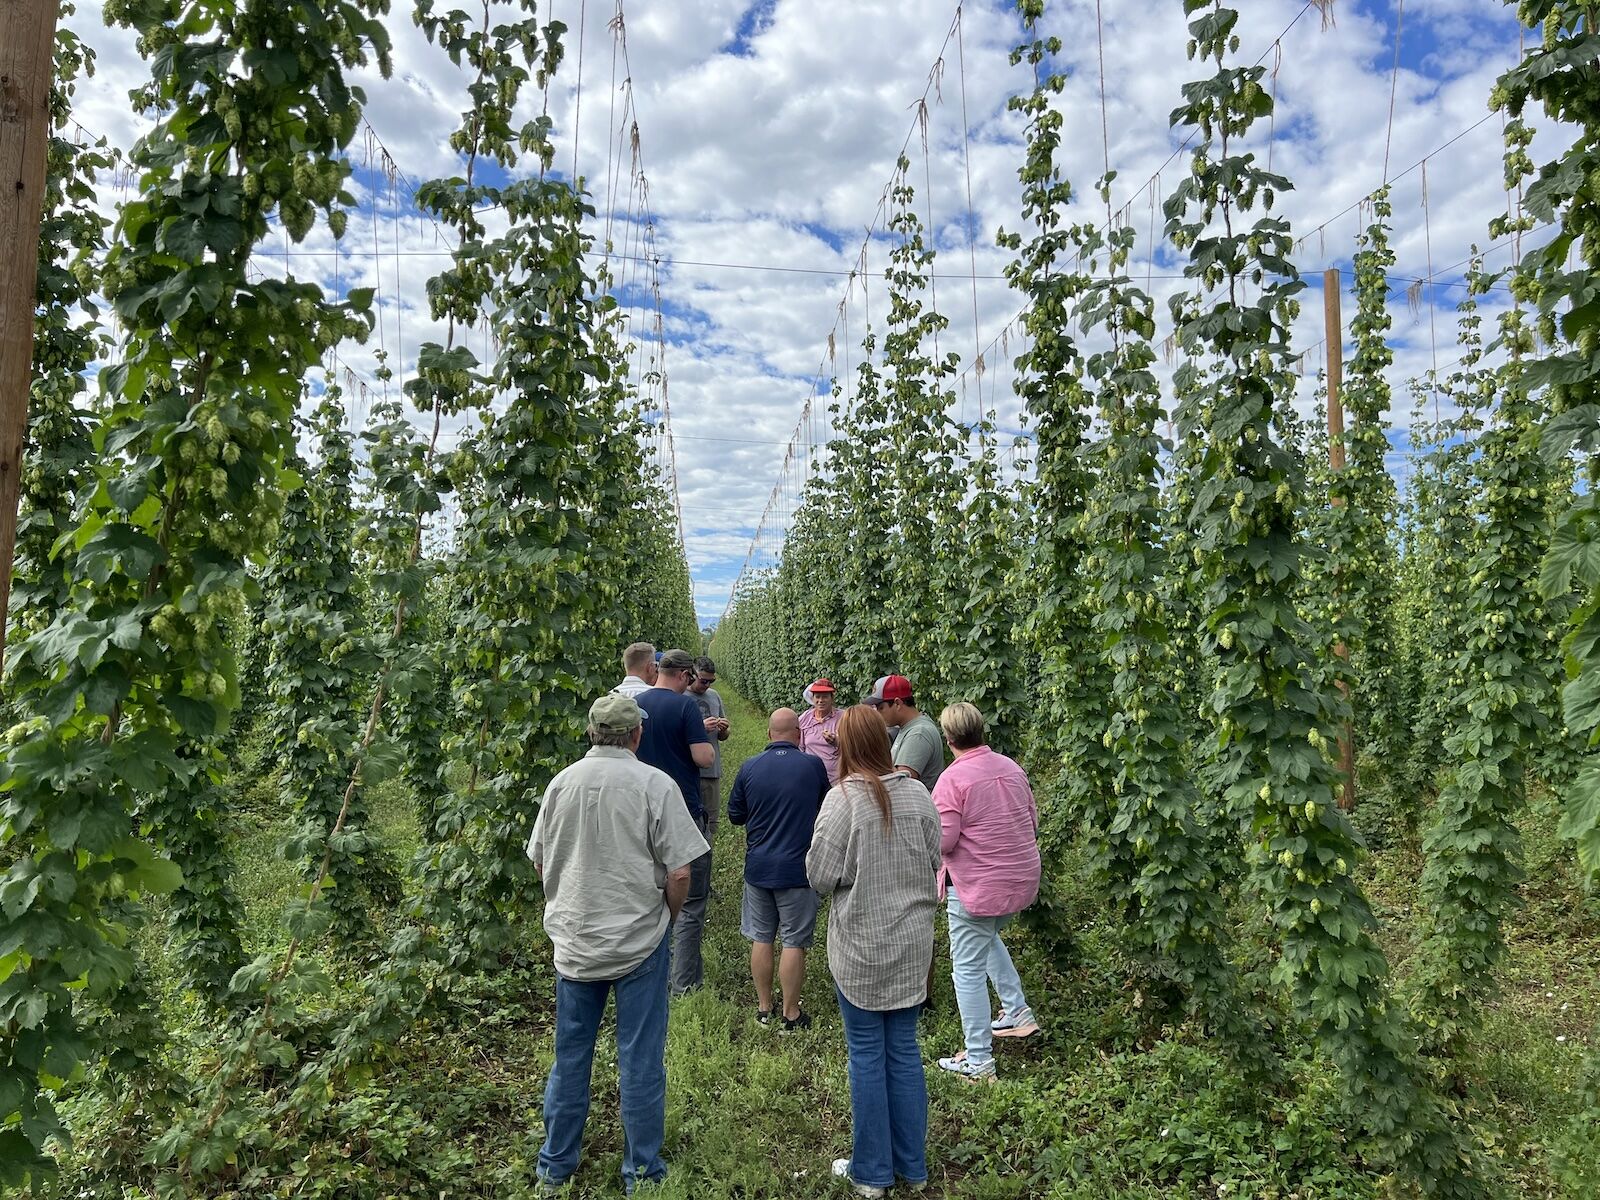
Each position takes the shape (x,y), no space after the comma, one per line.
(768,133)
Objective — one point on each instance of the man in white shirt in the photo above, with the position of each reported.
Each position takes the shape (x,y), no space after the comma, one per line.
(613,843)
(639,662)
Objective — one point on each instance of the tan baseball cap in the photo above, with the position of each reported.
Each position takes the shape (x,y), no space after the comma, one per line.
(617,713)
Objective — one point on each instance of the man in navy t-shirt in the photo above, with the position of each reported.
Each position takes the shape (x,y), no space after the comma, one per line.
(776,796)
(675,741)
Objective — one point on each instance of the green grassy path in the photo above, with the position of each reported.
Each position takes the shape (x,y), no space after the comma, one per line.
(751,1111)
(755,1113)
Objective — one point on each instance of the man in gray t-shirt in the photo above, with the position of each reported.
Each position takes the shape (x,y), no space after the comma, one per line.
(703,694)
(918,747)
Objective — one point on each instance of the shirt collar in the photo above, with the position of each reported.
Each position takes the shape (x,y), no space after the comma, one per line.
(609,752)
(975,752)
(782,745)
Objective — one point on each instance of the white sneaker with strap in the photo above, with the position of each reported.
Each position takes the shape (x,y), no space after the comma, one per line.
(1018,1024)
(960,1064)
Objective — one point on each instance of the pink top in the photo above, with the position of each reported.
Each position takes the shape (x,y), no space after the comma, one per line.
(990,833)
(813,742)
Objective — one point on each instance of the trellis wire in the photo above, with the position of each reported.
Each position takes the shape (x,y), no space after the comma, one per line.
(918,110)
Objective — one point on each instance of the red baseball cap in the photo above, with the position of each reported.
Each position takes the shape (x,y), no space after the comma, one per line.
(891,687)
(821,685)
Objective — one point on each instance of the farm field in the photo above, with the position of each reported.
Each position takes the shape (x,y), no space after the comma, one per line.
(1203,397)
(1099,1104)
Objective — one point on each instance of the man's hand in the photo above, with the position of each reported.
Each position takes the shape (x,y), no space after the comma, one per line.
(677,890)
(830,737)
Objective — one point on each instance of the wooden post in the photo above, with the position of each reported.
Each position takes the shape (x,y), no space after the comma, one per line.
(1334,338)
(27,61)
(1333,334)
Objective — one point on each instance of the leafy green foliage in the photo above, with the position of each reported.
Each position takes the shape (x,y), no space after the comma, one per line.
(1157,639)
(1360,560)
(862,503)
(1434,568)
(313,678)
(132,665)
(1269,757)
(403,492)
(926,487)
(57,444)
(1469,882)
(1065,734)
(1554,75)
(1155,857)
(526,544)
(980,554)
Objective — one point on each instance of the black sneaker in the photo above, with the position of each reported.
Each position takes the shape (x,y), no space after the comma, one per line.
(803,1021)
(764,1016)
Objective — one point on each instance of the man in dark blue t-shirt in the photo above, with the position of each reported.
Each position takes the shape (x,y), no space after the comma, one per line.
(776,796)
(675,741)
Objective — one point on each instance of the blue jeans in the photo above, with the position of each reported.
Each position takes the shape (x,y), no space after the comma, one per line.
(888,1095)
(641,1066)
(977,955)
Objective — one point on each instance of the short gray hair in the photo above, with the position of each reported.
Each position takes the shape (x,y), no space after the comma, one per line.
(599,736)
(638,655)
(963,726)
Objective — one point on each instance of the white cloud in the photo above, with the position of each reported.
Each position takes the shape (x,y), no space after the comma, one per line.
(769,131)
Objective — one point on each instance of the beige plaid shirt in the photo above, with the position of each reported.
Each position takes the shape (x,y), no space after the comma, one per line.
(885,889)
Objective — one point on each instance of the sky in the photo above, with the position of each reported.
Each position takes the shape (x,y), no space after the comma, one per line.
(768,134)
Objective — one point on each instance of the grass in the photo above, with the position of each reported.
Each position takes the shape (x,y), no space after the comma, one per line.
(1106,1102)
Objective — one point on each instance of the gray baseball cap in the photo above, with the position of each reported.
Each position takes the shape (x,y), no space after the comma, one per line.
(617,713)
(676,660)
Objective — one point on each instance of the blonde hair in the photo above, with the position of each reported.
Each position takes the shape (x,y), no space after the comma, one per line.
(637,657)
(963,726)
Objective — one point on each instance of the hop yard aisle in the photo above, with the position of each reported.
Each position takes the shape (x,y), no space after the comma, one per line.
(752,1111)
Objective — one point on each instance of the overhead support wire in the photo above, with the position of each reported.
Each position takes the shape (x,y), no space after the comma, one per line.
(972,216)
(577,103)
(641,231)
(918,123)
(1394,83)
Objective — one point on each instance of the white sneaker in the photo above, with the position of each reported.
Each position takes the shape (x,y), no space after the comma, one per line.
(960,1065)
(1017,1024)
(841,1170)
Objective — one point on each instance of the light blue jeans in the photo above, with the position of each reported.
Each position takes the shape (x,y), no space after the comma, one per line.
(977,956)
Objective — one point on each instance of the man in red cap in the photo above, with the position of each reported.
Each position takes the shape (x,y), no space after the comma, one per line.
(918,746)
(819,728)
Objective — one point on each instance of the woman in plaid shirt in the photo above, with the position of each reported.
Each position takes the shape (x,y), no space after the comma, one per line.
(876,852)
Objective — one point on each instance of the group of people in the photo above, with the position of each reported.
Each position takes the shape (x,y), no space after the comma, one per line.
(856,805)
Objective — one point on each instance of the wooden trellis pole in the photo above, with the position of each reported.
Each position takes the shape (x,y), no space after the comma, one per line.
(27,41)
(1334,337)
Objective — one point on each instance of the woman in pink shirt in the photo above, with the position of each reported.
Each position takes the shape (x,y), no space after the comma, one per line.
(990,843)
